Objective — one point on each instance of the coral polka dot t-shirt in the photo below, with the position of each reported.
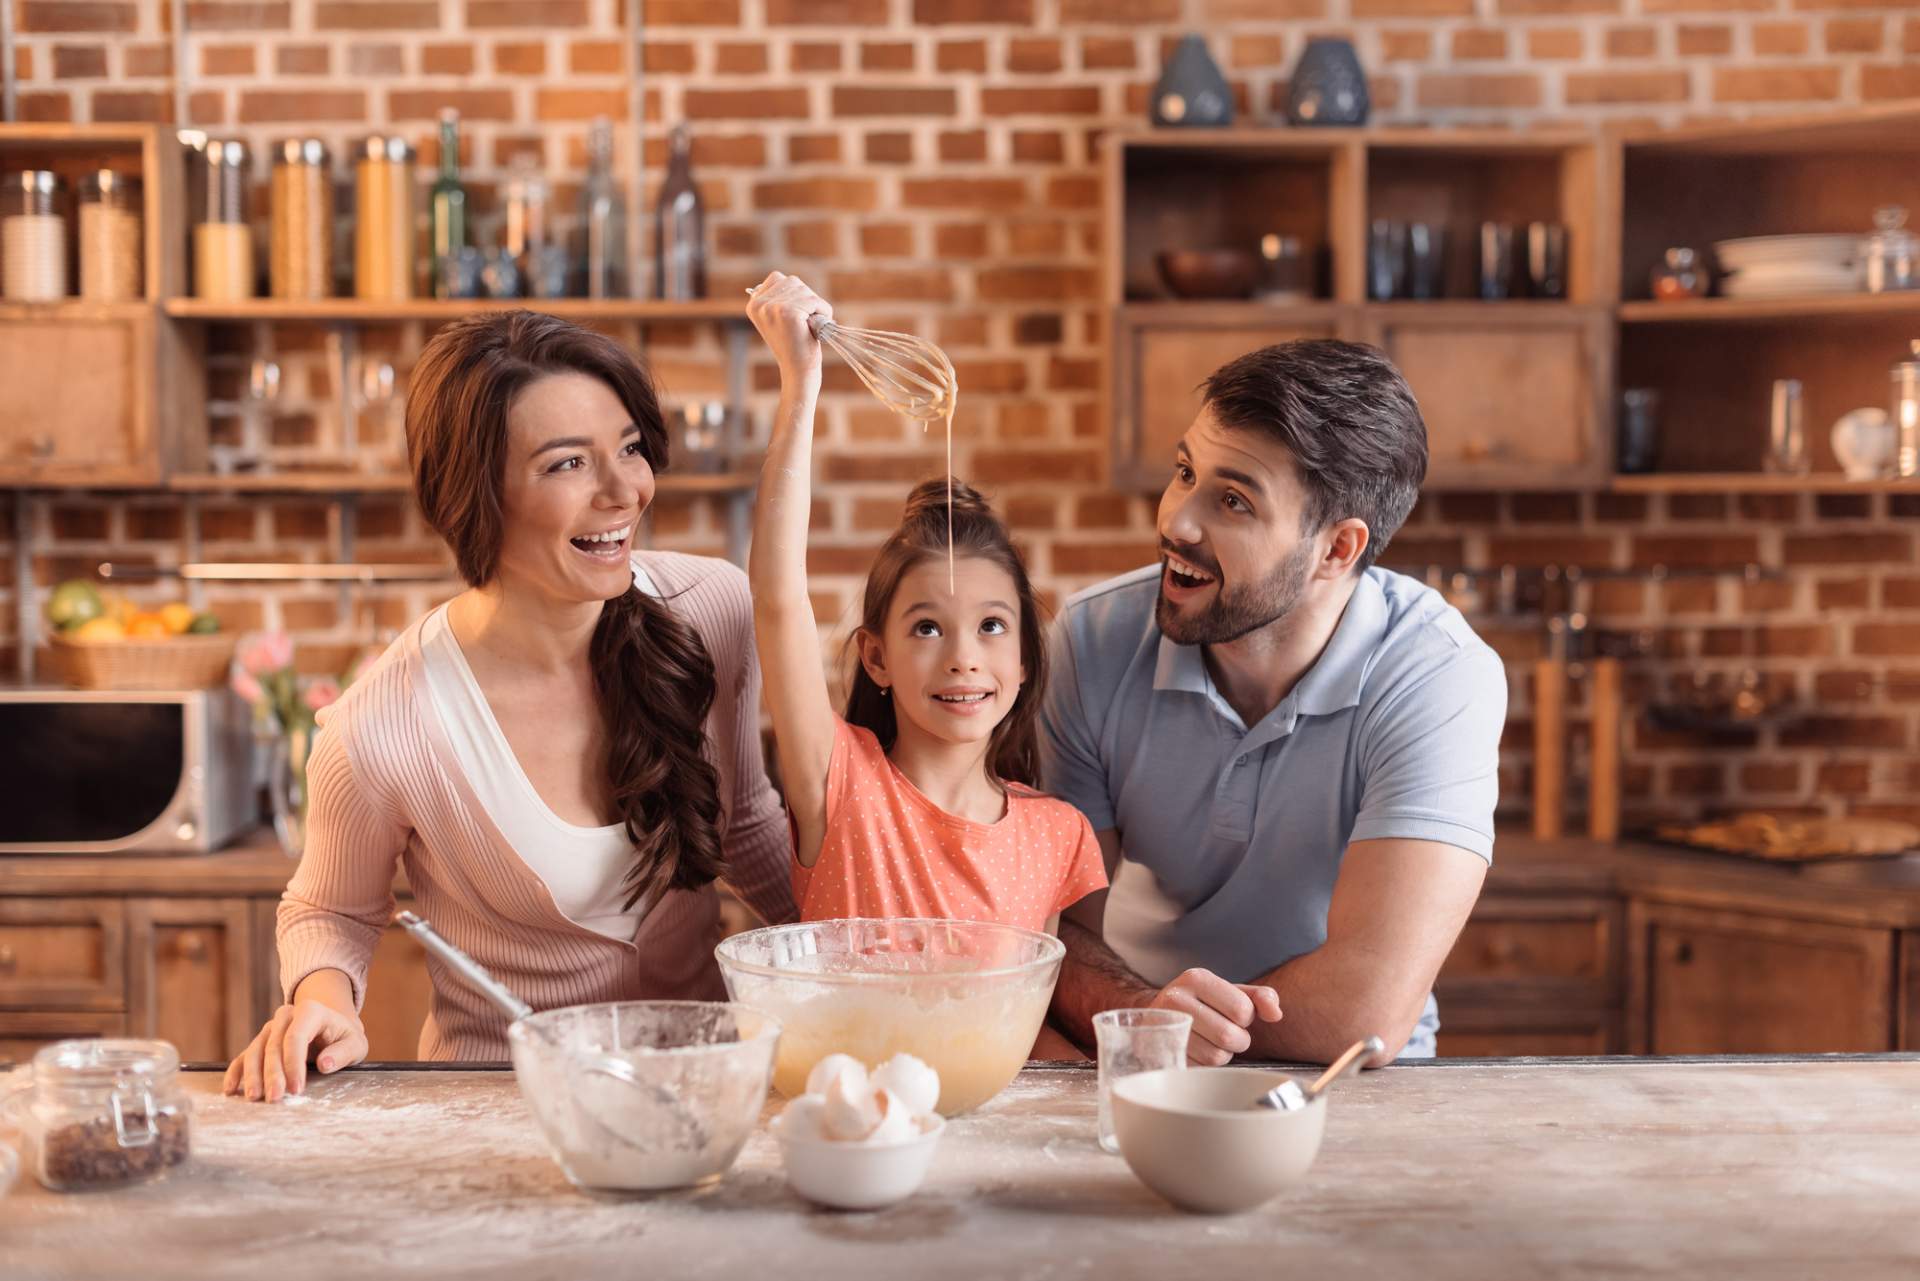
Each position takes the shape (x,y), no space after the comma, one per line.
(889,851)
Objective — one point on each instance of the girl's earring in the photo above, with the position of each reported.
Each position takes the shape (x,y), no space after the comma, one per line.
(886,691)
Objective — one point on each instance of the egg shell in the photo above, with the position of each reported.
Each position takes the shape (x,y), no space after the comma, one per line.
(850,1110)
(802,1121)
(896,1121)
(833,1066)
(917,1084)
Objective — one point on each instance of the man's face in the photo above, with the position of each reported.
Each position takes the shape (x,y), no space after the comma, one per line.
(1232,556)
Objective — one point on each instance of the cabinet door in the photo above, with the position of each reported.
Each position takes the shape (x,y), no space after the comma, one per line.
(1713,982)
(1510,1033)
(22,1032)
(62,953)
(1512,393)
(65,428)
(191,975)
(399,992)
(1533,975)
(1161,356)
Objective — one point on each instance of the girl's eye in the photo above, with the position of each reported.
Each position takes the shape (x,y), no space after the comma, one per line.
(994,626)
(926,627)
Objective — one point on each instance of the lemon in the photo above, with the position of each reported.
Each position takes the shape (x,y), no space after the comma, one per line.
(177,616)
(100,629)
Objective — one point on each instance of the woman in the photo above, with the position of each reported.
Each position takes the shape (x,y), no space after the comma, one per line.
(565,756)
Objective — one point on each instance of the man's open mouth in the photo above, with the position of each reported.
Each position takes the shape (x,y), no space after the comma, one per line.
(1185,574)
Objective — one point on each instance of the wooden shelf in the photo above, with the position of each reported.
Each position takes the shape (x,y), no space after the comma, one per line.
(73,309)
(345,482)
(1759,483)
(360,311)
(1751,310)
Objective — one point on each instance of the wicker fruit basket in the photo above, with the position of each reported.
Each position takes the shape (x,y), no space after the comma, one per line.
(177,662)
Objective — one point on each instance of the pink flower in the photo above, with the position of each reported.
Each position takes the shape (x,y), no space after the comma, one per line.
(265,652)
(248,688)
(320,693)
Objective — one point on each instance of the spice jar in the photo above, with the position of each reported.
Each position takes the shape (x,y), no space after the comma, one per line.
(300,229)
(33,237)
(104,1113)
(1906,414)
(109,236)
(1893,252)
(383,230)
(1680,274)
(223,239)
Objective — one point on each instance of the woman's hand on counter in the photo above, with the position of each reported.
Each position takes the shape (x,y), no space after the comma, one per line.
(275,1063)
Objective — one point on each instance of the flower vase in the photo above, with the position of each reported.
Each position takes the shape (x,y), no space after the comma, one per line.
(287,788)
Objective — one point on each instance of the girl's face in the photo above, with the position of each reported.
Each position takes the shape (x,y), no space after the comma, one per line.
(576,483)
(950,661)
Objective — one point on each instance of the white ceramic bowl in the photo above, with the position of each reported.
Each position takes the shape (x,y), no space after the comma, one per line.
(857,1176)
(964,997)
(703,1069)
(1194,1136)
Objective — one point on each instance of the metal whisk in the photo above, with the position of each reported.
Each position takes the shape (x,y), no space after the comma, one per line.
(908,375)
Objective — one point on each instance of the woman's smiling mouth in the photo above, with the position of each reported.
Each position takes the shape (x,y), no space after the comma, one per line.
(607,545)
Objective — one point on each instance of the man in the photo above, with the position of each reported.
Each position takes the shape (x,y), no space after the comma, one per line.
(1289,756)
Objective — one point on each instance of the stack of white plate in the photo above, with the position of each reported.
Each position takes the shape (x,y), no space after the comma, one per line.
(1790,266)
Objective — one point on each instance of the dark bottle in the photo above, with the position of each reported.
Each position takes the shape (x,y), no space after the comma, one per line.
(448,206)
(679,229)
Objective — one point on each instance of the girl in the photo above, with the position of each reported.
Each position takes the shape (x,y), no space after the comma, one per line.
(565,756)
(920,802)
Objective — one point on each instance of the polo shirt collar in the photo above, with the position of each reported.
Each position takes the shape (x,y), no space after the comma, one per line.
(1331,685)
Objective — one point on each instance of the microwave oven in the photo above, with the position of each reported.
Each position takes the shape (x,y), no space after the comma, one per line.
(112,771)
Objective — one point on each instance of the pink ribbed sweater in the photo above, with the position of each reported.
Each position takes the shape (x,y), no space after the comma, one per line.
(385,787)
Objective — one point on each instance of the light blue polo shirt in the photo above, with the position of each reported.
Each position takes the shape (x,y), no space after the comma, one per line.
(1232,836)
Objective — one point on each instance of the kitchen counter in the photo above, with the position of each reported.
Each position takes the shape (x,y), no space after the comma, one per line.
(1469,1169)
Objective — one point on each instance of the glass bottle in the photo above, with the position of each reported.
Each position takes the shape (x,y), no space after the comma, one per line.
(1906,414)
(448,201)
(679,228)
(603,220)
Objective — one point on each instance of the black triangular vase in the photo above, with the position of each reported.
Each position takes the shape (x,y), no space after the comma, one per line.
(1328,85)
(1191,92)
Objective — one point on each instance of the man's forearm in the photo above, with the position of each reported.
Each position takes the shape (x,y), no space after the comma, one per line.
(1328,1002)
(1092,978)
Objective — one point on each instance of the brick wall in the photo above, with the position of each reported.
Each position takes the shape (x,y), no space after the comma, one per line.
(930,164)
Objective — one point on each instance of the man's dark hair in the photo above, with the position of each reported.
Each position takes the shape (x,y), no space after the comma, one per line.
(1347,417)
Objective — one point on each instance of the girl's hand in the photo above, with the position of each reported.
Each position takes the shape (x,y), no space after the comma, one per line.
(780,309)
(276,1062)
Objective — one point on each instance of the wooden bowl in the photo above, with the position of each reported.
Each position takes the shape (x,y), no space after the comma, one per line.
(1209,273)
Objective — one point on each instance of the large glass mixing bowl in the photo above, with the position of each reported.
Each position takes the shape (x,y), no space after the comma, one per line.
(967,997)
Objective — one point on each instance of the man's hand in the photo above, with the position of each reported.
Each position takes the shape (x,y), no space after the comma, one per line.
(1222,1013)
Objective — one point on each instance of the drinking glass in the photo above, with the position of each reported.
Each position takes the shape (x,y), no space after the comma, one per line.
(1133,1041)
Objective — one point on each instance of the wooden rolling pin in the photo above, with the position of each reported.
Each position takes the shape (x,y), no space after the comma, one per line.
(1549,747)
(1604,702)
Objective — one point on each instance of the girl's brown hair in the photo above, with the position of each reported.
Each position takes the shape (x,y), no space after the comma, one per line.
(1012,753)
(653,674)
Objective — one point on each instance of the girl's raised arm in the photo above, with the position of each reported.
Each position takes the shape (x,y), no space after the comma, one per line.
(784,630)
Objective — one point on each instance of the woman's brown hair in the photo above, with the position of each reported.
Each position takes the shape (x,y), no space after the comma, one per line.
(653,674)
(1012,752)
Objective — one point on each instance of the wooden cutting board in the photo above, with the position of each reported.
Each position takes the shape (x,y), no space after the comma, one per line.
(1796,839)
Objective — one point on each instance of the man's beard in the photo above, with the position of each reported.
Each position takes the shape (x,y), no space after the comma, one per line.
(1236,611)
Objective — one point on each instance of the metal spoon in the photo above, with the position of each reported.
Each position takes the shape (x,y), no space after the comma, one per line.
(476,976)
(1288,1096)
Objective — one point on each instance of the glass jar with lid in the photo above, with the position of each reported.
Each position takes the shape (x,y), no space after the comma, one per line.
(300,230)
(1679,275)
(33,236)
(103,1113)
(1892,252)
(110,224)
(223,238)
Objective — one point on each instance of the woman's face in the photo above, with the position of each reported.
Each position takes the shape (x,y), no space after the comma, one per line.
(576,483)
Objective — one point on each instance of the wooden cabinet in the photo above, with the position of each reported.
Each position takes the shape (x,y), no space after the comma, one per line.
(66,954)
(1708,981)
(1513,394)
(190,974)
(1165,353)
(1533,974)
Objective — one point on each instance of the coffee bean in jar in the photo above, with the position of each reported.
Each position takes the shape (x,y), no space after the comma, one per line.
(106,1113)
